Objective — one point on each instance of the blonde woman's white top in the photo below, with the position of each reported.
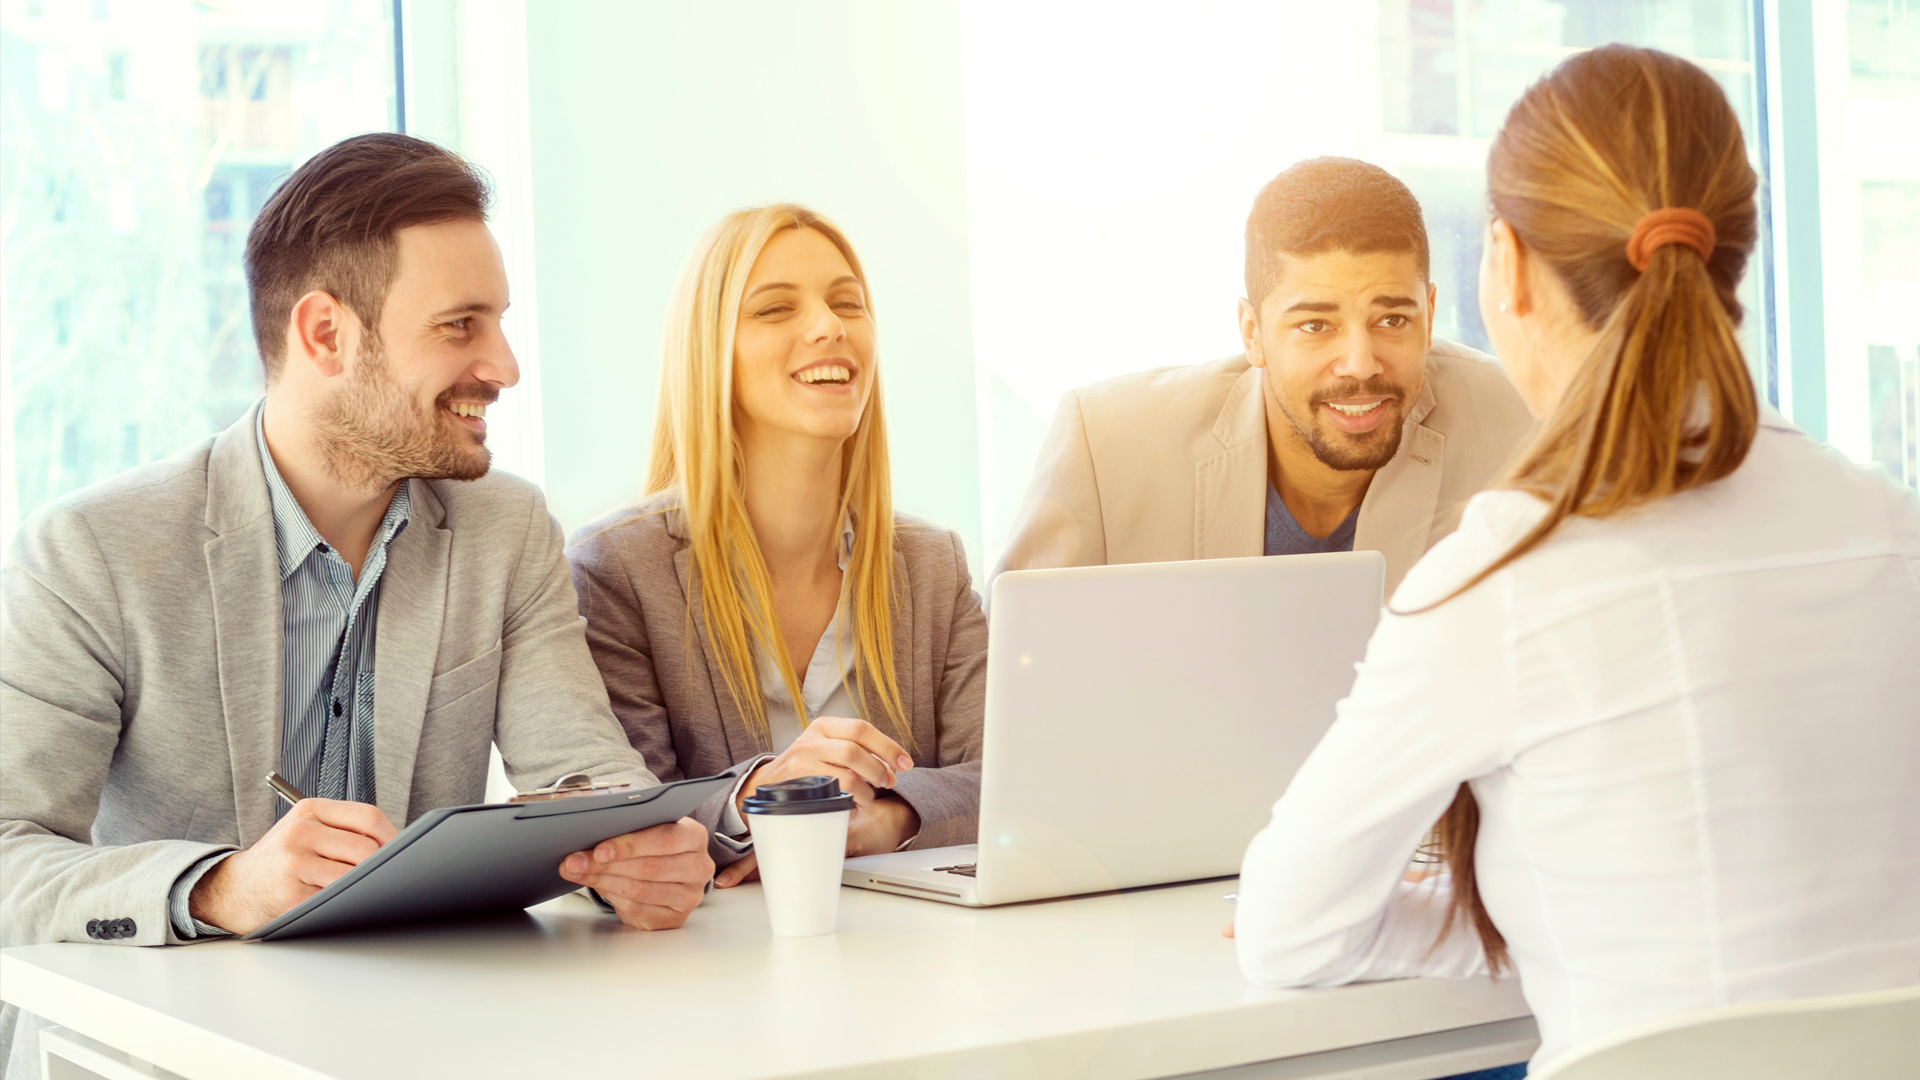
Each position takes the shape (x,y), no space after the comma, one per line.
(1694,734)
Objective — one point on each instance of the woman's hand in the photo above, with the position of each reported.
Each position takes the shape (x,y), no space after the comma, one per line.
(875,829)
(853,752)
(881,826)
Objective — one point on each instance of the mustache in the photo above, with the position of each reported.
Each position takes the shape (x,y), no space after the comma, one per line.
(468,391)
(1378,386)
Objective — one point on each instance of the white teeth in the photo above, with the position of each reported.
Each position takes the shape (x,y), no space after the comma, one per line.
(1355,410)
(469,408)
(827,373)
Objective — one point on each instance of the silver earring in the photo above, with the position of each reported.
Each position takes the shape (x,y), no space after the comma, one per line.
(1503,307)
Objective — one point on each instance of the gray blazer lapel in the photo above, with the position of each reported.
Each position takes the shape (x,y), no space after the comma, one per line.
(741,742)
(1230,487)
(921,682)
(1396,517)
(413,605)
(243,568)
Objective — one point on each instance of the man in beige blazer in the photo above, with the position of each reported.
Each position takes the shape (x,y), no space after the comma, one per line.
(1344,426)
(334,588)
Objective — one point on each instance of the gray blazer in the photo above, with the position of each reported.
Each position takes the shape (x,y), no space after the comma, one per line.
(142,692)
(633,571)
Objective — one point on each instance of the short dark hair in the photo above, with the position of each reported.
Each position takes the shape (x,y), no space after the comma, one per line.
(331,226)
(1330,204)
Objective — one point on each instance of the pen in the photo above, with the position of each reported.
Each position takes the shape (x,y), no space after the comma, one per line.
(283,789)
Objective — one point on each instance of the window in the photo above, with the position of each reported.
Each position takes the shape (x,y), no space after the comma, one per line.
(1107,209)
(125,334)
(1050,200)
(1874,393)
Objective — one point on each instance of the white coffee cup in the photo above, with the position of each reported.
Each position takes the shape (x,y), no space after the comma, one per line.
(799,830)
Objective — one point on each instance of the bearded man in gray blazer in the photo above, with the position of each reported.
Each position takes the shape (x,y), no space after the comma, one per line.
(1345,425)
(334,588)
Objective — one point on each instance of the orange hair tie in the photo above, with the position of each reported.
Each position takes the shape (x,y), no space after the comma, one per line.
(1672,225)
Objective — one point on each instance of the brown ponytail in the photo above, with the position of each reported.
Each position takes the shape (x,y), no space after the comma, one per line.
(1664,402)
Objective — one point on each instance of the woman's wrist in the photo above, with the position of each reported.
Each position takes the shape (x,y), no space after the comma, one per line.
(903,821)
(748,785)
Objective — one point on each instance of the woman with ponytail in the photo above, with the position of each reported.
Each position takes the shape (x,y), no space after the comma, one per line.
(1659,690)
(764,608)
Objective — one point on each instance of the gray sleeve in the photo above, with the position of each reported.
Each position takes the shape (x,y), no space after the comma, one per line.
(180,901)
(553,713)
(619,640)
(730,829)
(61,690)
(947,798)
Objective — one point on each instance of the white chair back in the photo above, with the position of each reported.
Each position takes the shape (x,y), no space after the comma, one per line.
(1871,1036)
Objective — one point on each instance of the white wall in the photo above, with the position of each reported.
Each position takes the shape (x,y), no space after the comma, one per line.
(650,121)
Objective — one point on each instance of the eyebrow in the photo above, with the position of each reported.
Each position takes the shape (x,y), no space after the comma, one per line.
(1312,305)
(835,283)
(1381,301)
(475,308)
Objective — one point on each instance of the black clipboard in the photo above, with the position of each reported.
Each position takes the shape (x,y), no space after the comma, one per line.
(464,860)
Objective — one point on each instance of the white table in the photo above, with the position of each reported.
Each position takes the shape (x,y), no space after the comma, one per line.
(1120,986)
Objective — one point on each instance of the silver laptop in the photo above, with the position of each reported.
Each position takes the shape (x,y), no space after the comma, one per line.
(1142,719)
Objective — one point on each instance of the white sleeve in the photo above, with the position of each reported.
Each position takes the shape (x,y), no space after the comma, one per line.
(1322,895)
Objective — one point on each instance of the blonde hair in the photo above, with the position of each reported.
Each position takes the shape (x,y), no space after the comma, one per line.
(1664,402)
(697,452)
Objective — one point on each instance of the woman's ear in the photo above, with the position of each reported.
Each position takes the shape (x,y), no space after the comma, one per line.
(316,334)
(1511,266)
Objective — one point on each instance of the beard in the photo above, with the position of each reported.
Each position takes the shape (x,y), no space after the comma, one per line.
(1342,450)
(372,433)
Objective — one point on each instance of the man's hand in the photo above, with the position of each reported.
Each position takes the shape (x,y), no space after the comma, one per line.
(315,842)
(875,829)
(853,752)
(653,878)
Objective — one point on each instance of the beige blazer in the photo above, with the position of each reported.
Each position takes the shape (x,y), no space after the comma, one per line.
(1171,464)
(633,570)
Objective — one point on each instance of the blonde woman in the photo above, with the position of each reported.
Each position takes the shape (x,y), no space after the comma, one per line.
(764,606)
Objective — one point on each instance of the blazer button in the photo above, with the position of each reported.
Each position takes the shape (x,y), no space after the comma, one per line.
(93,929)
(126,928)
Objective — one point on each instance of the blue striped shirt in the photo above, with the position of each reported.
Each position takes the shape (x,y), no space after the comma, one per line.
(327,625)
(327,628)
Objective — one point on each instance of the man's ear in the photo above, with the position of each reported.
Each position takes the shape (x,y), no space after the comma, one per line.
(1433,310)
(317,334)
(1250,333)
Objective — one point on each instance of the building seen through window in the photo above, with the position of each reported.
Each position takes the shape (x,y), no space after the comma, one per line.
(1881,169)
(141,139)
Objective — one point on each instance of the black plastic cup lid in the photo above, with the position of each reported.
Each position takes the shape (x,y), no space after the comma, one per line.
(807,795)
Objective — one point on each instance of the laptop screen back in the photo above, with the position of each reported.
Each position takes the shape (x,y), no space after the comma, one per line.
(1142,719)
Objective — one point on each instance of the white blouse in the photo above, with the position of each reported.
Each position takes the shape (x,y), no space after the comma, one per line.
(1694,735)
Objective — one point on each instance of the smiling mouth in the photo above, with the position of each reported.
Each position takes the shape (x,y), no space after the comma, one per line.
(1355,411)
(474,409)
(827,374)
